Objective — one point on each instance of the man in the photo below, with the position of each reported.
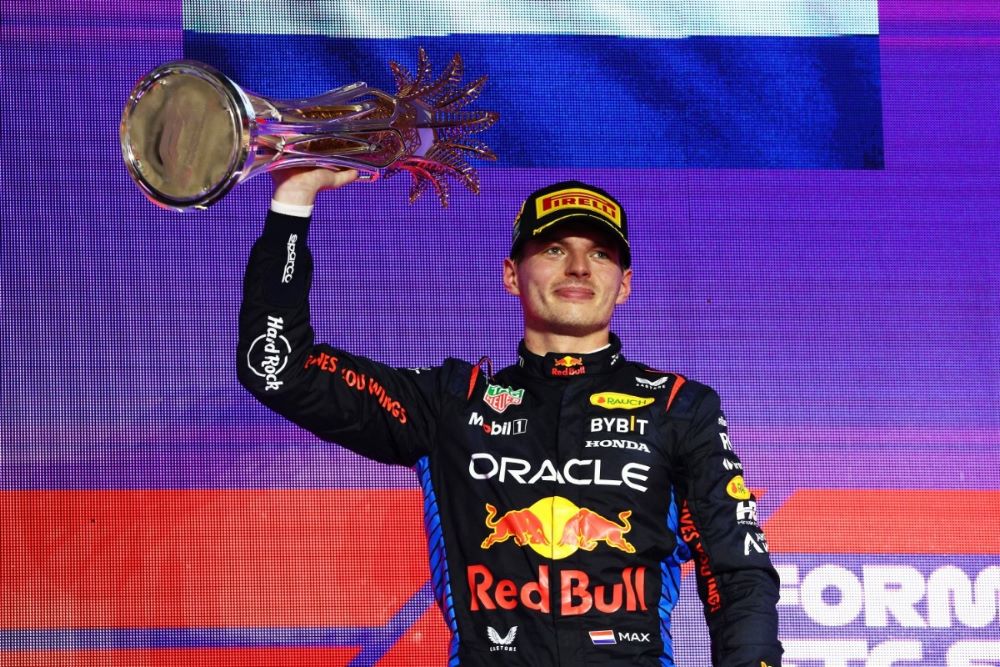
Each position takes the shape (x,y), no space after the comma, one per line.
(555,490)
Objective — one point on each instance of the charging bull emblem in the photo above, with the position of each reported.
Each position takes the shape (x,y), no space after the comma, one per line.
(586,528)
(522,525)
(567,362)
(538,527)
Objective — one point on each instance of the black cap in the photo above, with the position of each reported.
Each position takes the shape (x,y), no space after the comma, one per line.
(570,201)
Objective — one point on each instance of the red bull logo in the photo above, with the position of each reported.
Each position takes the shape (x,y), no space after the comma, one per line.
(522,525)
(555,527)
(586,528)
(567,362)
(568,366)
(577,593)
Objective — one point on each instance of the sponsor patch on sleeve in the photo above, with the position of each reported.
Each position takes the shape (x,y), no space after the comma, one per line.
(612,400)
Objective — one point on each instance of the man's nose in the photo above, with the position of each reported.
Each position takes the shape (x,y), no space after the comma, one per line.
(578,264)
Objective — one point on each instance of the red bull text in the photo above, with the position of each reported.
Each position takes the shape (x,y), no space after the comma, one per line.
(577,594)
(568,366)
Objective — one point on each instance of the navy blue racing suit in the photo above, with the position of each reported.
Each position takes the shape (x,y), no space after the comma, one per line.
(554,490)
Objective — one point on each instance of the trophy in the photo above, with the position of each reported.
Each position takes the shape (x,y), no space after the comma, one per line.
(189,133)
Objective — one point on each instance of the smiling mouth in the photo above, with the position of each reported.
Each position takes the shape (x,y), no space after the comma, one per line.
(575,293)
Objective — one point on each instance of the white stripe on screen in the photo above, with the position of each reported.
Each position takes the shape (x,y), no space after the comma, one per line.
(627,18)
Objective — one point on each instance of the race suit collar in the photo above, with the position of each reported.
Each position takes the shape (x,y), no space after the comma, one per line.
(561,364)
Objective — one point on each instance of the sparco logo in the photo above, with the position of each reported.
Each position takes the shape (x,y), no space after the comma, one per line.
(269,352)
(286,275)
(513,427)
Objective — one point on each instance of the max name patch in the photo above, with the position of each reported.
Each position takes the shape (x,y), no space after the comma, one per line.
(577,198)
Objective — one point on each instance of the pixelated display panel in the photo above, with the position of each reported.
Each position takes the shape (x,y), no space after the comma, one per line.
(812,189)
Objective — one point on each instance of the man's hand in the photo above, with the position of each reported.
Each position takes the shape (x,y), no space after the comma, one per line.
(300,185)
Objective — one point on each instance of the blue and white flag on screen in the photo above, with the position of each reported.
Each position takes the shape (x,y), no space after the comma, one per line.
(655,84)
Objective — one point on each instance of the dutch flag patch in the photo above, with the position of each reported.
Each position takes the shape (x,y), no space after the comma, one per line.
(602,637)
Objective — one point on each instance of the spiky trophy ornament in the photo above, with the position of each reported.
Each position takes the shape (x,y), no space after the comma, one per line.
(189,134)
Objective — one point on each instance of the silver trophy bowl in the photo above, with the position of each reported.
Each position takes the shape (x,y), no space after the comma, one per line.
(189,134)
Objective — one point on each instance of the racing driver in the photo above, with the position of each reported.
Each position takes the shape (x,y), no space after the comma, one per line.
(562,493)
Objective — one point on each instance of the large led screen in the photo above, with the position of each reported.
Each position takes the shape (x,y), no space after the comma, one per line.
(813,192)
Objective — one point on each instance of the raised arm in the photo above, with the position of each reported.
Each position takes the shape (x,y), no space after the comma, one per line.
(379,412)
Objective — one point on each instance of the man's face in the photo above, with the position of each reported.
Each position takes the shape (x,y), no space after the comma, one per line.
(569,281)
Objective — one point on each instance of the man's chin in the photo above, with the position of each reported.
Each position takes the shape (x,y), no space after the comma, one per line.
(577,323)
(576,328)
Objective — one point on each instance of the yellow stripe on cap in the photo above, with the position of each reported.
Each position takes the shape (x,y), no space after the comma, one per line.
(579,198)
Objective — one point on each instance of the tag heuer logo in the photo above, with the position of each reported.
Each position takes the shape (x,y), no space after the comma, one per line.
(500,398)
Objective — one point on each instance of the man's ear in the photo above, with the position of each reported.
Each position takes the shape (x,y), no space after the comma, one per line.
(510,276)
(625,288)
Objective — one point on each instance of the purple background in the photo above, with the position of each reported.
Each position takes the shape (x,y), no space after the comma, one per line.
(850,319)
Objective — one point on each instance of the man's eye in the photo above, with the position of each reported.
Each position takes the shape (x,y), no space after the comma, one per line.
(602,254)
(553,250)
